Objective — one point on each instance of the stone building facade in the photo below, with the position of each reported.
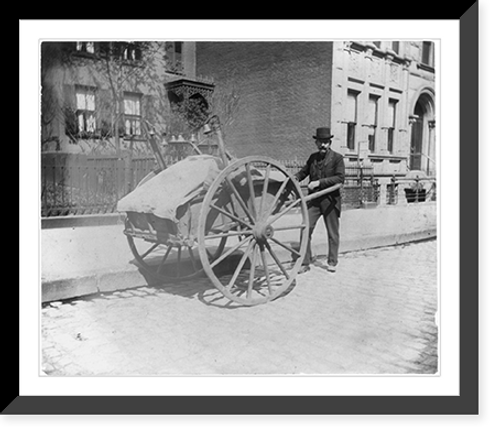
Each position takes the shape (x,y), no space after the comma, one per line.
(378,97)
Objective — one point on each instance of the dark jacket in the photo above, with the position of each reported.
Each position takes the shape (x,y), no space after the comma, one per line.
(329,170)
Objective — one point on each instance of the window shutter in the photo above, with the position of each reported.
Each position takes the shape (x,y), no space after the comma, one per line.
(104,112)
(121,121)
(69,109)
(69,96)
(149,111)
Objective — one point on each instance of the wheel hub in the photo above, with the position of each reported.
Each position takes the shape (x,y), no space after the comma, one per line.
(262,231)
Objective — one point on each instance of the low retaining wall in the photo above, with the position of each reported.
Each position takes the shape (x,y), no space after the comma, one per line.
(84,260)
(362,229)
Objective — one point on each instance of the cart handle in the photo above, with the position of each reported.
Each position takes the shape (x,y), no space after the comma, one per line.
(150,136)
(214,123)
(325,191)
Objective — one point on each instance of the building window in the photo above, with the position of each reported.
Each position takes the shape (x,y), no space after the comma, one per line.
(85,47)
(428,53)
(377,43)
(372,121)
(85,110)
(351,134)
(351,118)
(178,48)
(395,46)
(392,125)
(174,57)
(131,52)
(132,111)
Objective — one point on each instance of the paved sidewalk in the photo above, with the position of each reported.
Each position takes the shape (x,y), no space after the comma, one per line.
(374,316)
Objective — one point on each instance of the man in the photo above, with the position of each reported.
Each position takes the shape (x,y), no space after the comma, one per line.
(325,168)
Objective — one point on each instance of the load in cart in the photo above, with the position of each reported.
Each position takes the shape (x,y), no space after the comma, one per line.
(192,217)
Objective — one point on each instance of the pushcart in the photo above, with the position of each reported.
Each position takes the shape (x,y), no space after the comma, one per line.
(249,211)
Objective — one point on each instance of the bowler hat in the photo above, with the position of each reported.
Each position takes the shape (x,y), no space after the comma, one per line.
(323,133)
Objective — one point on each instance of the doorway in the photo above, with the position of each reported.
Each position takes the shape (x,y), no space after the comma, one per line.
(417,133)
(422,141)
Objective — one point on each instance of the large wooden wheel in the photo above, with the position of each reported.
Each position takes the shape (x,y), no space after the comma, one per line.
(264,219)
(170,261)
(169,252)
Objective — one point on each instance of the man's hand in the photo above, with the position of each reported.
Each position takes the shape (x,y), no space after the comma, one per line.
(313,185)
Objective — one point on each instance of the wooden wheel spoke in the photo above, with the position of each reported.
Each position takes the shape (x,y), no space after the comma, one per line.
(240,200)
(229,215)
(229,252)
(264,189)
(164,259)
(283,212)
(224,227)
(143,256)
(290,249)
(273,255)
(251,189)
(276,198)
(228,234)
(193,260)
(240,265)
(210,255)
(291,227)
(252,271)
(178,269)
(238,225)
(266,268)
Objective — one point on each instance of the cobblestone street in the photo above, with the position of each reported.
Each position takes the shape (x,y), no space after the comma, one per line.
(375,315)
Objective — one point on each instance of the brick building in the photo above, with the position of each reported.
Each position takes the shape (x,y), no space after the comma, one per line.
(284,93)
(377,96)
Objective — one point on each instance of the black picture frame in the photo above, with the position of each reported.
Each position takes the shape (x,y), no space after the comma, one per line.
(465,403)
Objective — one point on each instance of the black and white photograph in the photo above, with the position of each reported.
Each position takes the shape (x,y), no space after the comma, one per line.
(248,217)
(239,207)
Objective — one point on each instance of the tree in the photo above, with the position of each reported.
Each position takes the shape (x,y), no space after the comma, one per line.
(109,68)
(226,103)
(133,66)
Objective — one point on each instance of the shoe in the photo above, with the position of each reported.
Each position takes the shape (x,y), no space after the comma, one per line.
(331,268)
(304,268)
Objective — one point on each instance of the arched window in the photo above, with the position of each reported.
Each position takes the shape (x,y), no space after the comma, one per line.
(422,145)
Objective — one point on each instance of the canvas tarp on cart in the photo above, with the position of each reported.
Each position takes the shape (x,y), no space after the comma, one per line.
(175,186)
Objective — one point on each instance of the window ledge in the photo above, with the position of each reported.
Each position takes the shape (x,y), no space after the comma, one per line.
(84,54)
(353,153)
(426,67)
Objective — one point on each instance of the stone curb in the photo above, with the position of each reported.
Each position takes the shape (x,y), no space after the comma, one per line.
(131,277)
(59,222)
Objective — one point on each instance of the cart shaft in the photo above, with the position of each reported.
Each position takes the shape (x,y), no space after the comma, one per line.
(325,191)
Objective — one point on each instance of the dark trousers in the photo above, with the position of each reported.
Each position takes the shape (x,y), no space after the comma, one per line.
(324,208)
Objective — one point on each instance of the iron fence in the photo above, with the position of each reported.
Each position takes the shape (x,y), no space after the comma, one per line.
(411,190)
(81,184)
(84,184)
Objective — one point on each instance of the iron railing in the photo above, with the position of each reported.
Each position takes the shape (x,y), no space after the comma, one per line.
(84,184)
